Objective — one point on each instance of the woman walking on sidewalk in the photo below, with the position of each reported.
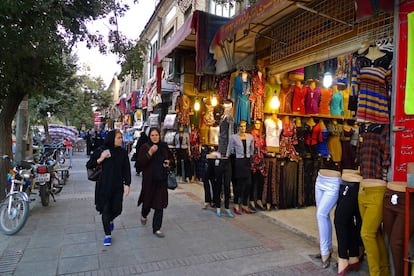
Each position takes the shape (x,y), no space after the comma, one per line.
(155,159)
(114,181)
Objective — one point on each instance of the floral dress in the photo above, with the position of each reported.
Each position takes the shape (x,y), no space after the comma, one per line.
(287,140)
(257,163)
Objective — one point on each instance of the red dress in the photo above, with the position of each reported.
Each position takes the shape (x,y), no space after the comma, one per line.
(260,150)
(287,140)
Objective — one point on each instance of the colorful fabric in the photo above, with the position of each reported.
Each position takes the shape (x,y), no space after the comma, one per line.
(337,104)
(298,101)
(256,97)
(240,95)
(326,98)
(312,100)
(257,163)
(285,97)
(409,87)
(373,84)
(374,150)
(287,140)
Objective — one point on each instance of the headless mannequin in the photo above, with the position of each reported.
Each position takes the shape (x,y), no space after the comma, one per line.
(273,129)
(258,180)
(285,96)
(271,88)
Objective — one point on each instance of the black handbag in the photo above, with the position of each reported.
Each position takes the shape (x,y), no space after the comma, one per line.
(172,181)
(94,174)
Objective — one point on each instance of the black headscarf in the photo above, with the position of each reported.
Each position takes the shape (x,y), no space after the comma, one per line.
(109,142)
(159,156)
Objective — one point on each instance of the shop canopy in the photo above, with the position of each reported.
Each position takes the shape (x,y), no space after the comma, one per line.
(195,34)
(234,43)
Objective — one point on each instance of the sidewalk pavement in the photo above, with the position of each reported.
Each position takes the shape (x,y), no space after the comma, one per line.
(66,237)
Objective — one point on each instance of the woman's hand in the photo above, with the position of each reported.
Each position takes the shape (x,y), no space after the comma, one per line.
(152,149)
(126,190)
(166,163)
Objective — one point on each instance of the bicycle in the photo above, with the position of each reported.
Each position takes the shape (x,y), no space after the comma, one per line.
(14,208)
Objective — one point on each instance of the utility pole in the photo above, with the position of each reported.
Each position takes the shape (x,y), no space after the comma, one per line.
(23,145)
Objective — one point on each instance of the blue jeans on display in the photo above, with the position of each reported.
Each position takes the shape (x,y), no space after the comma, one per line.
(326,196)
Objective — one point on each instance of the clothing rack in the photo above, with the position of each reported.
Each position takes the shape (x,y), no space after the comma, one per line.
(246,67)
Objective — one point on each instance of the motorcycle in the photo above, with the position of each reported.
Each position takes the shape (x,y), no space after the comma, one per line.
(14,209)
(43,182)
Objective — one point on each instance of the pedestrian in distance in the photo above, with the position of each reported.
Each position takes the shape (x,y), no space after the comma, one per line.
(69,150)
(156,160)
(143,138)
(114,182)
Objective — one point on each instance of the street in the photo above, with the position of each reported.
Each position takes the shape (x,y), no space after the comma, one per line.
(66,238)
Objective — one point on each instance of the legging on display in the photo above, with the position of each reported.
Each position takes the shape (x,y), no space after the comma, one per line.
(370,202)
(223,178)
(346,217)
(394,222)
(326,195)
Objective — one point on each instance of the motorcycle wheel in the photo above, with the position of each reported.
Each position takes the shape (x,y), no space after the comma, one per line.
(13,221)
(44,193)
(56,186)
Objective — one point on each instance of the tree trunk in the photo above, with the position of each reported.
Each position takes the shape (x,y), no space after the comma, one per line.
(11,104)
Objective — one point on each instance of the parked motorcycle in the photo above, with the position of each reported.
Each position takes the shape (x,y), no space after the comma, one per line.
(14,209)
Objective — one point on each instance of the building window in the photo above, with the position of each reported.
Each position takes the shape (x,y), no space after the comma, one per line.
(152,52)
(168,35)
(170,15)
(225,10)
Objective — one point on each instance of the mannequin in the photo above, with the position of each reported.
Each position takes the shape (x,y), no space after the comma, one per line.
(182,145)
(347,231)
(326,195)
(298,102)
(325,102)
(394,221)
(182,108)
(273,129)
(300,134)
(240,96)
(313,97)
(287,139)
(370,203)
(371,82)
(222,170)
(209,115)
(242,145)
(285,96)
(258,167)
(272,87)
(322,146)
(256,97)
(334,142)
(195,151)
(226,127)
(313,136)
(348,159)
(337,102)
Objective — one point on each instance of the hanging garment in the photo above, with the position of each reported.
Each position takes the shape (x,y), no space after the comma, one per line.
(240,95)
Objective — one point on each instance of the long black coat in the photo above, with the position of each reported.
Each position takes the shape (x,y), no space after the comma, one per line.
(116,172)
(153,194)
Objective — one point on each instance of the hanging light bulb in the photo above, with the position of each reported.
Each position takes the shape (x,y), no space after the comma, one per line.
(275,103)
(214,101)
(327,79)
(197,105)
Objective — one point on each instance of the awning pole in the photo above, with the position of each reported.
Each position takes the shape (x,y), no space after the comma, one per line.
(323,15)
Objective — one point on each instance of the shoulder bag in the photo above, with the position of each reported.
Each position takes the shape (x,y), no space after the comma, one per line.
(172,181)
(94,174)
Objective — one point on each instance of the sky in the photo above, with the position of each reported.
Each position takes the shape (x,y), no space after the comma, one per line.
(131,25)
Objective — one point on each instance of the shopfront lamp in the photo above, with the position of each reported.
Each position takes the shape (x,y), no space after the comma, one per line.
(327,79)
(197,105)
(214,101)
(275,103)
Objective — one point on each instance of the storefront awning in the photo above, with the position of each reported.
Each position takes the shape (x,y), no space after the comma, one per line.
(196,34)
(234,43)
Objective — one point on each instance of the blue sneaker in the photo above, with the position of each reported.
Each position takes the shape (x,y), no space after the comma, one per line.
(218,213)
(107,241)
(111,226)
(229,214)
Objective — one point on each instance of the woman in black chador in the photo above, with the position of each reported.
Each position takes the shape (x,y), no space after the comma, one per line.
(114,181)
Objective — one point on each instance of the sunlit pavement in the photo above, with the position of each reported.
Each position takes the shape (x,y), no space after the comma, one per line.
(66,238)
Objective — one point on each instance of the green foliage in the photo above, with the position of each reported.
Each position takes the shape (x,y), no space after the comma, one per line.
(36,37)
(133,60)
